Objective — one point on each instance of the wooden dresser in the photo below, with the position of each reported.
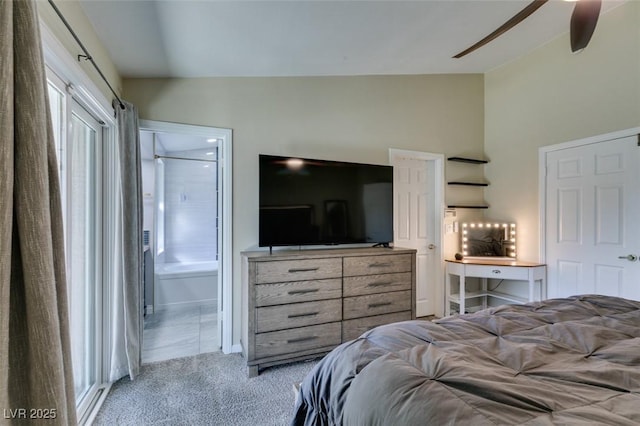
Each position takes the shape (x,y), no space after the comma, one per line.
(301,304)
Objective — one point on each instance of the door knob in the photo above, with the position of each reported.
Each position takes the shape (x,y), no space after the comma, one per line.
(629,257)
(431,246)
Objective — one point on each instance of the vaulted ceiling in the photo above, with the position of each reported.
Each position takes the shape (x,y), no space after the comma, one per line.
(182,38)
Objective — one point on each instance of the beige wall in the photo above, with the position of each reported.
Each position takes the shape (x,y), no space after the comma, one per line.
(77,19)
(549,96)
(339,118)
(552,96)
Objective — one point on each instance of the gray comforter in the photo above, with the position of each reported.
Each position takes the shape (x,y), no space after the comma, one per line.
(560,361)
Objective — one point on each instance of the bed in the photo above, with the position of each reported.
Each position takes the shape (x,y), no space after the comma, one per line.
(560,361)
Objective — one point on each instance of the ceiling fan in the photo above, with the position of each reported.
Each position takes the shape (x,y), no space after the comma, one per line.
(583,22)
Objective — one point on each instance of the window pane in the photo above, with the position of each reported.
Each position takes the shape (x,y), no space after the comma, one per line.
(81,253)
(57,106)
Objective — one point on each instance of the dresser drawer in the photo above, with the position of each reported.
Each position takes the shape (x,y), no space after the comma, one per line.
(298,270)
(385,264)
(352,329)
(271,318)
(502,272)
(298,339)
(369,284)
(297,291)
(376,304)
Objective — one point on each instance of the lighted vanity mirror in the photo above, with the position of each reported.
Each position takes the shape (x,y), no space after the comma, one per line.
(488,239)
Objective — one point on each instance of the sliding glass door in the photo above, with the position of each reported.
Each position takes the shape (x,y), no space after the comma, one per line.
(83,252)
(79,144)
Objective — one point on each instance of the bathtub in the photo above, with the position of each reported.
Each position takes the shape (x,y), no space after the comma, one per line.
(185,284)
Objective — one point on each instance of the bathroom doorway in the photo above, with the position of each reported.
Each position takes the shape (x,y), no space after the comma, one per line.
(186,235)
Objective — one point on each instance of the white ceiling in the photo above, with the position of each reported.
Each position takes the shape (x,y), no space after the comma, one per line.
(183,38)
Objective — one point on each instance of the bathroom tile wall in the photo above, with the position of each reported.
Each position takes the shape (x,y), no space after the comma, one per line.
(190,209)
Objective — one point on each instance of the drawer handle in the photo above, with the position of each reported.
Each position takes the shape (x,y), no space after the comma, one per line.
(292,292)
(379,264)
(380,284)
(377,305)
(497,271)
(292,270)
(310,314)
(302,339)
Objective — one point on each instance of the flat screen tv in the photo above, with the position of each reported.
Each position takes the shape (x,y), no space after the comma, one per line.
(319,202)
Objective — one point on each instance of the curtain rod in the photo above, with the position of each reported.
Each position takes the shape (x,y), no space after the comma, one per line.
(183,158)
(87,56)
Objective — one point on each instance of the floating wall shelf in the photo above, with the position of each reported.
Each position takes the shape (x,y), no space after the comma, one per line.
(468,206)
(467,160)
(468,183)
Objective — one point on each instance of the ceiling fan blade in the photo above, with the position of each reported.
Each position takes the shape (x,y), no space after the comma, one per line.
(583,22)
(519,17)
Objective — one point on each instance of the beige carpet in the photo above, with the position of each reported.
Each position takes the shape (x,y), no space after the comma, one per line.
(206,389)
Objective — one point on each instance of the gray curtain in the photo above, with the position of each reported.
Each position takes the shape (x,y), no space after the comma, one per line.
(127,292)
(35,360)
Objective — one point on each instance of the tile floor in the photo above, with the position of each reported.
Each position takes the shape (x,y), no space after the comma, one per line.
(179,332)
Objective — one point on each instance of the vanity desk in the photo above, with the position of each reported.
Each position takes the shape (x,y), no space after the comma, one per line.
(486,268)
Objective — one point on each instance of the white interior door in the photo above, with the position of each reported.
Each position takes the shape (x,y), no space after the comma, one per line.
(592,230)
(417,194)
